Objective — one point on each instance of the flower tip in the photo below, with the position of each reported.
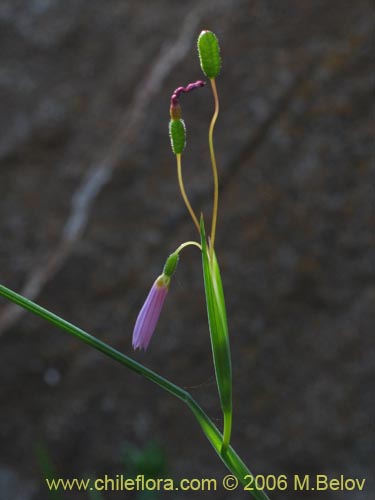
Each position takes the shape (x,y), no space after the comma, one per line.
(200,83)
(141,347)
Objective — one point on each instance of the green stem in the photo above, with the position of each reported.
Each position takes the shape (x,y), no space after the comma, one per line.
(183,192)
(188,243)
(214,165)
(230,457)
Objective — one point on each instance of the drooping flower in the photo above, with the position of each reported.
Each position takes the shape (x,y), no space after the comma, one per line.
(149,314)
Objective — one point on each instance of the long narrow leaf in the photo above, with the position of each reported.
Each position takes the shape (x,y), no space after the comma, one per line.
(217,319)
(232,461)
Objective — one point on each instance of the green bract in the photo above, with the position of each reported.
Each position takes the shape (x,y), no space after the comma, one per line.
(217,320)
(177,133)
(171,264)
(209,54)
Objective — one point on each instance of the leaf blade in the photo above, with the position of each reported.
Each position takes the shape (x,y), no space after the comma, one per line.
(218,325)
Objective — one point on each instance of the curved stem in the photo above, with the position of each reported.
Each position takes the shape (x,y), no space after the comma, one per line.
(188,243)
(183,192)
(214,165)
(229,457)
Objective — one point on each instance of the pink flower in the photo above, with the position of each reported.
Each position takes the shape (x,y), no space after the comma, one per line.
(150,312)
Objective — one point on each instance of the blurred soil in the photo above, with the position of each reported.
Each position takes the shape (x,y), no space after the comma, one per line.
(89,210)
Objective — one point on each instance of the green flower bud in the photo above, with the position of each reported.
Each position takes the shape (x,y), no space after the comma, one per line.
(209,54)
(177,133)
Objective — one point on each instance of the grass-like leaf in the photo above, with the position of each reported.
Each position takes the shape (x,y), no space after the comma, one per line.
(230,458)
(217,319)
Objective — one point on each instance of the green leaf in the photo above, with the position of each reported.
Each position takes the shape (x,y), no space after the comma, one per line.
(217,320)
(230,458)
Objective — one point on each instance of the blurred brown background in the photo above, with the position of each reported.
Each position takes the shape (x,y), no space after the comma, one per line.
(90,209)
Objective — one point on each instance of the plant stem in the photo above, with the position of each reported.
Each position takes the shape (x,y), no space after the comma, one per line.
(214,165)
(183,192)
(188,243)
(230,457)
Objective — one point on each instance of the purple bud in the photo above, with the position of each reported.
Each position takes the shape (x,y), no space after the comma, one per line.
(150,312)
(179,90)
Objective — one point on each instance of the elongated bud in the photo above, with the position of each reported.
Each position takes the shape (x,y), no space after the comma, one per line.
(177,133)
(171,264)
(209,54)
(177,130)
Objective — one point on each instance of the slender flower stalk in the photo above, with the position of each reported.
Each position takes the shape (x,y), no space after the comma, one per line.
(187,244)
(210,61)
(183,192)
(214,165)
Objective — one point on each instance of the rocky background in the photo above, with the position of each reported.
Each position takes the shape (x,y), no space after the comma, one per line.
(89,210)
